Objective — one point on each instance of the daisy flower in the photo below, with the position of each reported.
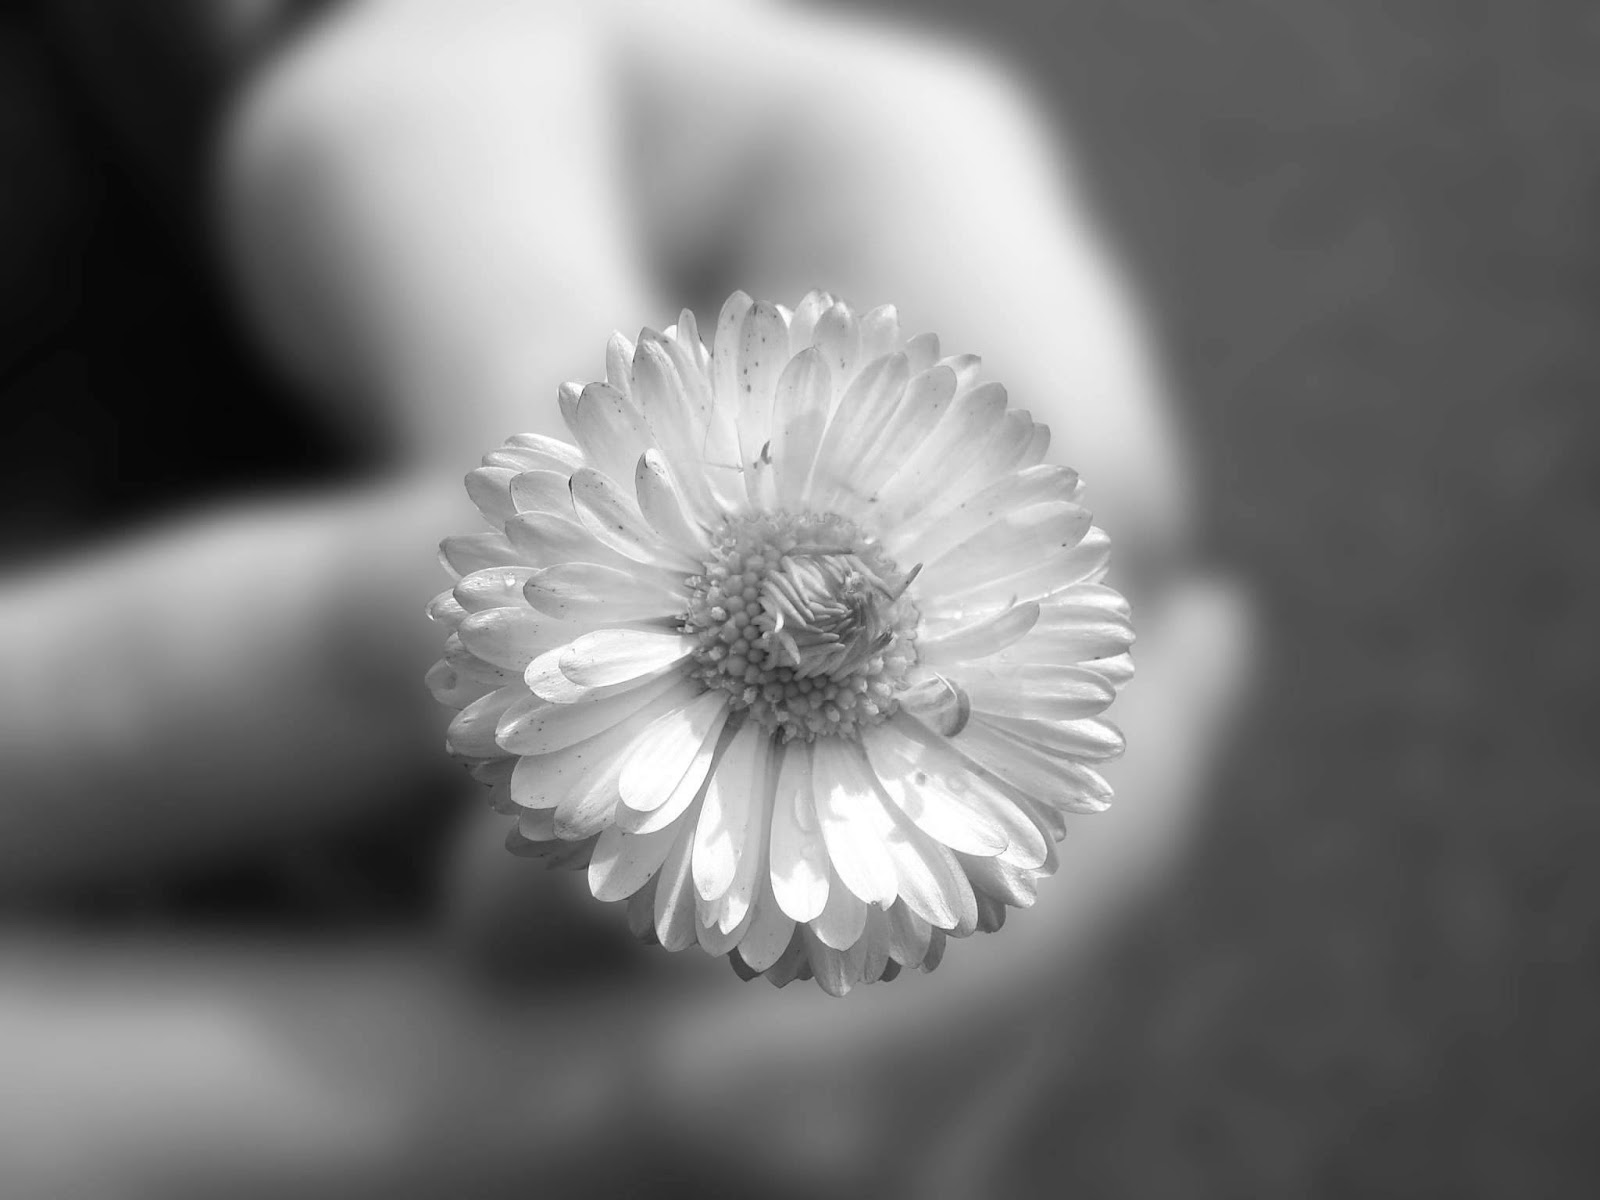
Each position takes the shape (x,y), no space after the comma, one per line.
(799,647)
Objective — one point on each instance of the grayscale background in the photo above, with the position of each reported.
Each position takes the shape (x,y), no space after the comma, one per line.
(1360,958)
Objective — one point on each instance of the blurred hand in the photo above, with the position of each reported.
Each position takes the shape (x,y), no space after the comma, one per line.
(436,210)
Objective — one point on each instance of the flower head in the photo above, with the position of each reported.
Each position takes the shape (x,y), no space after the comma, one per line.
(799,648)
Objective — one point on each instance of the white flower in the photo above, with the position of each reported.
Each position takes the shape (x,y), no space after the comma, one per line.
(800,649)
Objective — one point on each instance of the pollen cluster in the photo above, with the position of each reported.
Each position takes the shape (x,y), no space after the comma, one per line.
(804,622)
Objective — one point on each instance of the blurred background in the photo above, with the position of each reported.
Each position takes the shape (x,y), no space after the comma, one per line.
(1367,235)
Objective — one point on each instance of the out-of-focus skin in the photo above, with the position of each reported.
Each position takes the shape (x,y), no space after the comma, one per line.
(437,210)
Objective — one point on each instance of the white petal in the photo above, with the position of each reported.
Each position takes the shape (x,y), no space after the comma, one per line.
(838,336)
(492,587)
(947,520)
(863,412)
(934,810)
(880,332)
(799,857)
(472,731)
(908,936)
(542,781)
(763,352)
(579,591)
(843,798)
(546,679)
(624,862)
(1090,740)
(543,491)
(675,907)
(1008,545)
(725,815)
(951,643)
(770,930)
(922,351)
(949,770)
(1011,885)
(968,421)
(927,877)
(1041,691)
(608,511)
(453,689)
(803,324)
(446,610)
(464,553)
(490,489)
(557,455)
(927,396)
(690,788)
(619,355)
(545,539)
(612,656)
(873,948)
(1059,783)
(803,397)
(663,508)
(741,894)
(510,637)
(610,430)
(677,406)
(843,918)
(715,939)
(543,728)
(830,967)
(659,761)
(1084,562)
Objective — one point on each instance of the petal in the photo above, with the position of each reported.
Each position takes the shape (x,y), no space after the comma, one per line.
(453,689)
(490,489)
(922,351)
(675,908)
(472,731)
(663,508)
(938,813)
(863,412)
(741,894)
(607,511)
(690,788)
(844,799)
(843,918)
(725,815)
(1093,740)
(624,862)
(543,491)
(1041,691)
(803,397)
(968,421)
(492,587)
(610,430)
(803,324)
(659,761)
(948,521)
(464,553)
(928,394)
(541,727)
(612,656)
(543,781)
(1010,544)
(619,357)
(880,332)
(593,593)
(510,637)
(838,336)
(799,858)
(763,352)
(955,642)
(908,936)
(770,932)
(677,407)
(1084,562)
(958,778)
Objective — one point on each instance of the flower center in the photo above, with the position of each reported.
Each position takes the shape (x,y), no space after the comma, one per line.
(804,621)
